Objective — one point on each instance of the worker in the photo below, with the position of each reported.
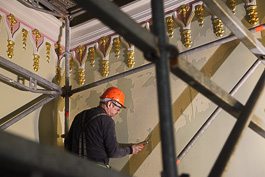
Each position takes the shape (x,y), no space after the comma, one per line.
(92,134)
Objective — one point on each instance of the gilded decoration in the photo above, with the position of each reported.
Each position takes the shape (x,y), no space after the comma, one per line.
(170,26)
(37,35)
(252,15)
(48,51)
(24,38)
(58,73)
(199,12)
(187,38)
(71,63)
(116,42)
(218,27)
(232,5)
(92,56)
(105,68)
(105,62)
(0,18)
(58,50)
(80,51)
(185,15)
(36,62)
(81,74)
(130,55)
(10,48)
(103,41)
(13,21)
(183,11)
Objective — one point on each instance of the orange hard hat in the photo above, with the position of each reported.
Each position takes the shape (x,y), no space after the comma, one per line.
(114,94)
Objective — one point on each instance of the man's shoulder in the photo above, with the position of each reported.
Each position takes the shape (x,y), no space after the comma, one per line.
(98,112)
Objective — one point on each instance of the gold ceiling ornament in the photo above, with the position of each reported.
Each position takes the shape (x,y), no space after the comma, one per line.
(80,51)
(48,51)
(0,18)
(37,34)
(116,42)
(130,55)
(170,26)
(103,41)
(187,38)
(199,11)
(58,73)
(58,49)
(92,56)
(71,63)
(24,38)
(232,6)
(10,48)
(36,62)
(183,11)
(81,78)
(105,68)
(218,27)
(252,15)
(13,21)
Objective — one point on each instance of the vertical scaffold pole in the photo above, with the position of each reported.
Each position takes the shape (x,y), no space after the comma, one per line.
(163,89)
(67,75)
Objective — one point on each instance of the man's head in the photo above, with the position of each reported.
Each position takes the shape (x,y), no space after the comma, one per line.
(112,100)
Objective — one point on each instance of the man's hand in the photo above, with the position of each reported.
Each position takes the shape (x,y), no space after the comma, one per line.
(137,148)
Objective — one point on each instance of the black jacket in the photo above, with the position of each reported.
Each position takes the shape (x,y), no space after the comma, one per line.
(101,141)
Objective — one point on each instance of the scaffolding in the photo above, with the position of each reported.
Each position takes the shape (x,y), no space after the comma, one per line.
(165,58)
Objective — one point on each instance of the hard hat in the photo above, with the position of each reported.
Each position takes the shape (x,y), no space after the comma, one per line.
(114,94)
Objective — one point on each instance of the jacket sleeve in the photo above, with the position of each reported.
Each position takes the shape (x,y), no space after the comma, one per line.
(111,144)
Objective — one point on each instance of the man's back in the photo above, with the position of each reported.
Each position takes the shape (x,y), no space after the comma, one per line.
(100,136)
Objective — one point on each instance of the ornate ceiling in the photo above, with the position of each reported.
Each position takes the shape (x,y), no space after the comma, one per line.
(91,37)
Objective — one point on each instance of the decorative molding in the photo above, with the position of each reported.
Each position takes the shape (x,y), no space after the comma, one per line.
(232,5)
(91,31)
(130,52)
(117,46)
(218,27)
(199,9)
(24,38)
(251,11)
(36,62)
(81,76)
(94,38)
(47,24)
(48,51)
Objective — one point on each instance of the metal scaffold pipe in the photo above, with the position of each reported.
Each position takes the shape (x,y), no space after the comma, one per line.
(163,89)
(209,121)
(222,162)
(67,74)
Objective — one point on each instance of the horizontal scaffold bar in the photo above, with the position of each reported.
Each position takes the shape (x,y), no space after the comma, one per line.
(33,159)
(18,70)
